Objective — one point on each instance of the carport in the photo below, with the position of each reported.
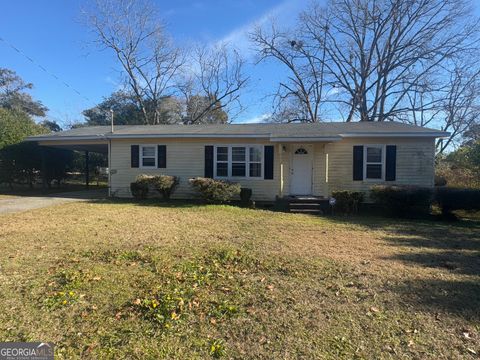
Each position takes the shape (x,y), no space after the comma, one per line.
(86,144)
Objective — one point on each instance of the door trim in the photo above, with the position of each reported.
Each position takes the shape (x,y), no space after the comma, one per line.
(310,150)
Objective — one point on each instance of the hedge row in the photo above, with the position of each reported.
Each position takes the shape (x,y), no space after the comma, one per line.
(409,201)
(403,201)
(449,199)
(212,191)
(398,201)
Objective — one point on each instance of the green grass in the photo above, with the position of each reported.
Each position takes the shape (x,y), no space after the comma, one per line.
(120,280)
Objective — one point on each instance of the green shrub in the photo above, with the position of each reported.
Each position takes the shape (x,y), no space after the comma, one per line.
(164,184)
(215,191)
(449,199)
(347,202)
(403,201)
(139,188)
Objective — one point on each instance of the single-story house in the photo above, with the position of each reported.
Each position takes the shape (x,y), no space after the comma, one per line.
(274,160)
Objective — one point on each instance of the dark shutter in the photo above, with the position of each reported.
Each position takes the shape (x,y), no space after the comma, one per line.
(134,156)
(358,162)
(268,165)
(209,161)
(162,156)
(391,163)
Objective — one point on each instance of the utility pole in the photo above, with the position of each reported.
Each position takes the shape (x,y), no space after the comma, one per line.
(110,157)
(111,119)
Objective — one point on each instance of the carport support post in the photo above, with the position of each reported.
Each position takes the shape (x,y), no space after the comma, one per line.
(44,169)
(87,169)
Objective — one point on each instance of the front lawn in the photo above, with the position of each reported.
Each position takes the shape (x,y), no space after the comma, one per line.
(120,280)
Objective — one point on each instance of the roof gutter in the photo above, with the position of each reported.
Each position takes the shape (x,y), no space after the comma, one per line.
(62,138)
(438,134)
(305,139)
(145,136)
(105,137)
(188,136)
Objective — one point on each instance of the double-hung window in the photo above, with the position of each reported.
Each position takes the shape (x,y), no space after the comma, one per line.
(237,161)
(222,161)
(255,161)
(148,156)
(374,162)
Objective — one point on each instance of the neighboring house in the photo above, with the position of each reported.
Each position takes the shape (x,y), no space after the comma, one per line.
(274,160)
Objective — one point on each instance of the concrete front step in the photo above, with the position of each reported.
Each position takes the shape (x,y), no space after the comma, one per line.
(307,204)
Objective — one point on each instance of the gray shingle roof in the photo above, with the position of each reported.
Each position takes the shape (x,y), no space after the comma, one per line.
(273,131)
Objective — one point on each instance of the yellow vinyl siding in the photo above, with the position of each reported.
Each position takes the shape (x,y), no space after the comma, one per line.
(415,163)
(185,159)
(319,170)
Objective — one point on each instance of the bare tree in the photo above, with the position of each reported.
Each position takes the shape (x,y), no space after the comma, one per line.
(213,84)
(299,97)
(378,51)
(372,56)
(150,62)
(460,108)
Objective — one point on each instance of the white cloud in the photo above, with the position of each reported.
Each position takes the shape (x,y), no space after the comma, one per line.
(256,119)
(284,14)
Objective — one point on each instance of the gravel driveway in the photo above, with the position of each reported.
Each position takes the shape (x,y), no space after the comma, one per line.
(24,203)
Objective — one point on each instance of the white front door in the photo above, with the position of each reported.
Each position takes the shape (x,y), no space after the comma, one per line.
(301,171)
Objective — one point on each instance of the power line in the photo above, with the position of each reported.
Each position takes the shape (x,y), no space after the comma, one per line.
(44,69)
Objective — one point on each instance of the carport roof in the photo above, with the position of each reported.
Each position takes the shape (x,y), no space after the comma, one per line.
(327,131)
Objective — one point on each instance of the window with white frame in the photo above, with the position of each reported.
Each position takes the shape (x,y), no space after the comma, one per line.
(255,161)
(222,161)
(148,156)
(374,162)
(238,161)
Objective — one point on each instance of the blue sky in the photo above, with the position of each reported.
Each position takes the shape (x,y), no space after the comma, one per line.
(50,32)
